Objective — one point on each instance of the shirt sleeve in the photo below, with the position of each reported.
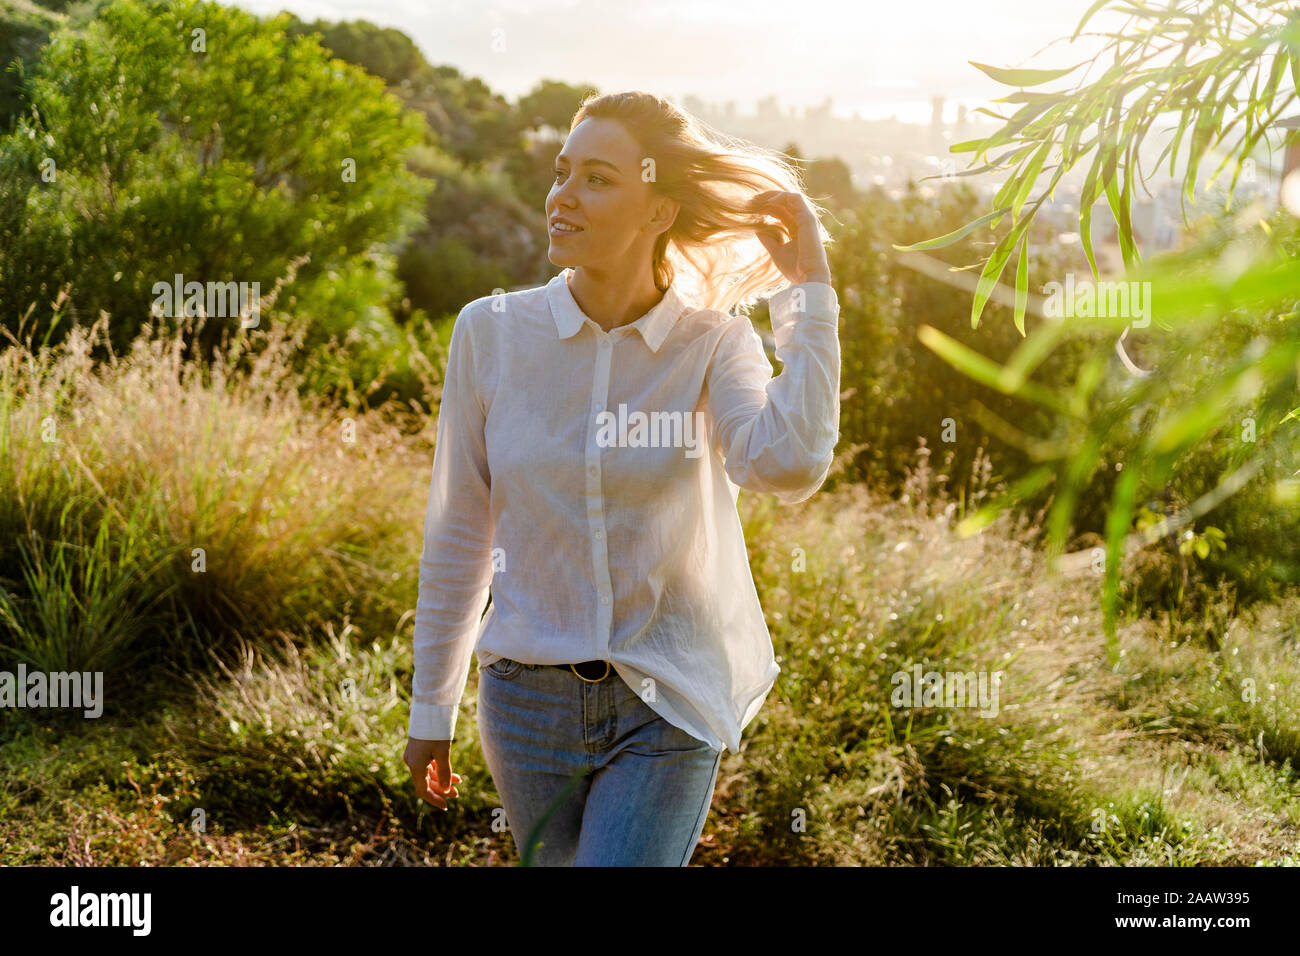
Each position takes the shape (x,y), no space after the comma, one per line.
(778,435)
(456,562)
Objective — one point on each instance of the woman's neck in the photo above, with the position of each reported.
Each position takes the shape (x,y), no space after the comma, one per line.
(612,301)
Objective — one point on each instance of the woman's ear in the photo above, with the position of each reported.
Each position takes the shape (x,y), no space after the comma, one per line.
(665,214)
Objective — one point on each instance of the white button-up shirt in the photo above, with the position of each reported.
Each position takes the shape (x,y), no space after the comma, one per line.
(590,480)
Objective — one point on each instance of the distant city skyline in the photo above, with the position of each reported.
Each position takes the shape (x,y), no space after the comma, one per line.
(873,60)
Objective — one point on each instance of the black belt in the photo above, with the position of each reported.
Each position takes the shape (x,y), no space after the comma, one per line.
(591,671)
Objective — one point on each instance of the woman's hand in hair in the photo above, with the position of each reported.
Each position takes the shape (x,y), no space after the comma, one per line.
(801,257)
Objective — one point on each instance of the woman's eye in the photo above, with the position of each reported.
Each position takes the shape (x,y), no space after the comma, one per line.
(593,176)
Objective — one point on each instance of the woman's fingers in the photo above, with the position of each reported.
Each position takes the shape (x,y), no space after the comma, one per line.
(450,788)
(427,792)
(778,207)
(800,253)
(794,213)
(434,780)
(771,238)
(431,791)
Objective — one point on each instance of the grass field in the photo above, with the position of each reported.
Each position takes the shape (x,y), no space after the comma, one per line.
(244,575)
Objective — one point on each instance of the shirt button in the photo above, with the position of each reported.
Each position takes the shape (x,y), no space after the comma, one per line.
(604,599)
(599,535)
(591,470)
(604,343)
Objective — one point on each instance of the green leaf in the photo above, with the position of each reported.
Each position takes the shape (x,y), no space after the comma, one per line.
(983,370)
(1184,298)
(1183,117)
(1076,471)
(1003,198)
(1012,77)
(1025,96)
(1022,285)
(1086,382)
(1275,75)
(1085,235)
(1011,155)
(1031,353)
(1202,134)
(1088,15)
(951,237)
(1207,414)
(1021,489)
(992,272)
(1119,207)
(1029,177)
(1117,522)
(533,840)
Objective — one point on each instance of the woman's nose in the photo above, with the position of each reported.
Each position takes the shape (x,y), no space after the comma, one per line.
(561,194)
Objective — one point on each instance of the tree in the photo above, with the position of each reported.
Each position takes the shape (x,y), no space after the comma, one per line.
(196,139)
(552,103)
(22,33)
(1234,290)
(478,236)
(831,182)
(381,51)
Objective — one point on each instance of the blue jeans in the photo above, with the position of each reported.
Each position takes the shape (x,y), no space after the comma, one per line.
(641,786)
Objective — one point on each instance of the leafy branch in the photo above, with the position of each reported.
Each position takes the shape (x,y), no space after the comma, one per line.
(1220,68)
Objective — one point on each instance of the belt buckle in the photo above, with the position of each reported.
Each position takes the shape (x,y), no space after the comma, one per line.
(589,680)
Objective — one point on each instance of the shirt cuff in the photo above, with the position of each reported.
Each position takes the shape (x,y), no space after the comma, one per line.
(433,721)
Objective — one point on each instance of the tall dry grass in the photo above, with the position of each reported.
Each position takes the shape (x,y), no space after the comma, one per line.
(155,506)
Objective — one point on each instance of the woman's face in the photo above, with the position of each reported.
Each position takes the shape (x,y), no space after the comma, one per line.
(599,189)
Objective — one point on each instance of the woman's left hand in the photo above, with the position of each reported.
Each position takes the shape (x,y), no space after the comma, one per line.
(801,258)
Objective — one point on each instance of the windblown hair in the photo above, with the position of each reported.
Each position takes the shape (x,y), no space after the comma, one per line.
(711,250)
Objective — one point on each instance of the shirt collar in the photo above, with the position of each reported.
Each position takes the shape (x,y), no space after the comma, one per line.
(654,326)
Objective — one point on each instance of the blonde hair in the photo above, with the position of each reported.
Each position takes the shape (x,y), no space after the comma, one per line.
(711,250)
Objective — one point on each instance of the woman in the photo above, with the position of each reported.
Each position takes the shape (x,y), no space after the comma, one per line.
(592,437)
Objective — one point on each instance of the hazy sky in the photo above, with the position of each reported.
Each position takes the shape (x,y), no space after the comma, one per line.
(875,57)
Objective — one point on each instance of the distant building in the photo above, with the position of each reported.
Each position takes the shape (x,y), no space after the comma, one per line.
(768,109)
(936,119)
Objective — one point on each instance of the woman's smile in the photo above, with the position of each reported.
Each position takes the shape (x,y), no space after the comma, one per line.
(563,227)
